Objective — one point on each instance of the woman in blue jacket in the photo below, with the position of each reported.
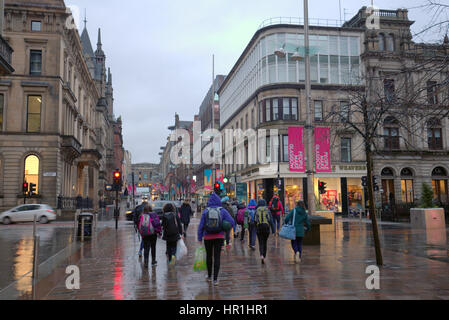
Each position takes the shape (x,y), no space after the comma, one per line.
(301,222)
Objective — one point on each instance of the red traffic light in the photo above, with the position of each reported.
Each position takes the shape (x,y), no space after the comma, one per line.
(25,185)
(217,185)
(117,175)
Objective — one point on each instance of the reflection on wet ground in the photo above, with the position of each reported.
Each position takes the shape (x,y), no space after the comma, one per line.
(416,267)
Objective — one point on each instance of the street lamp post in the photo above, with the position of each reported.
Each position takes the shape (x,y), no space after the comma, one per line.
(309,123)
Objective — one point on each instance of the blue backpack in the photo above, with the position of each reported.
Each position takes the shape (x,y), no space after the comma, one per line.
(214,223)
(252,216)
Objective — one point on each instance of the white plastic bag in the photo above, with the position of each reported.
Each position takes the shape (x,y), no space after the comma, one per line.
(181,249)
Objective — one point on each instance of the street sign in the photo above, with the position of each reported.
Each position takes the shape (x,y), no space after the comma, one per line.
(108,187)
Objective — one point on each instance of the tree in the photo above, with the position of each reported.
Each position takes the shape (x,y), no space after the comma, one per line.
(438,24)
(427,196)
(386,107)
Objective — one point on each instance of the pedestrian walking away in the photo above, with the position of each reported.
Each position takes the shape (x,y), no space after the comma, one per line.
(242,219)
(251,212)
(186,213)
(302,225)
(150,229)
(172,231)
(211,230)
(263,221)
(136,218)
(227,206)
(276,210)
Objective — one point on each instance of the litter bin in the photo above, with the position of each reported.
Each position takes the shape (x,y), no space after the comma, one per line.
(88,223)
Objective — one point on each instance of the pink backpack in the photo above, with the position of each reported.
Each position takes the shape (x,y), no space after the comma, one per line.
(241,216)
(146,227)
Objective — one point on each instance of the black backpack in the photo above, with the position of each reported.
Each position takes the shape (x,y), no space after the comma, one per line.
(275,205)
(171,227)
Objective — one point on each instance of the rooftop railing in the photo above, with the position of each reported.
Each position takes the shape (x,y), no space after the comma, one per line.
(300,21)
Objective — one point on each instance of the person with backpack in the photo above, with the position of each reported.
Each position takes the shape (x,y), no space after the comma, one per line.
(186,212)
(137,212)
(227,206)
(251,213)
(242,219)
(263,220)
(149,228)
(211,230)
(276,209)
(171,224)
(235,209)
(302,224)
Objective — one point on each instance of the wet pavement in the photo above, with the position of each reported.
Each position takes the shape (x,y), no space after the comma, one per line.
(416,267)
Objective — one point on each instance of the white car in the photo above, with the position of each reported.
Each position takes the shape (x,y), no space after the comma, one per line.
(26,213)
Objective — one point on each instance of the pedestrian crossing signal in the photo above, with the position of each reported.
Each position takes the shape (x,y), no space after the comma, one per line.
(322,187)
(25,188)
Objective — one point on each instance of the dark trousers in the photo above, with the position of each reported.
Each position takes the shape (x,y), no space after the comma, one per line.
(228,237)
(213,253)
(171,249)
(297,245)
(186,225)
(242,232)
(276,222)
(252,234)
(149,242)
(263,238)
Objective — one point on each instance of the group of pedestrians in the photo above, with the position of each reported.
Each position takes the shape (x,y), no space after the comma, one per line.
(258,219)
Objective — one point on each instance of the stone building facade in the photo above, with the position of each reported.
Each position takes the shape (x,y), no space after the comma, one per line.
(267,91)
(58,115)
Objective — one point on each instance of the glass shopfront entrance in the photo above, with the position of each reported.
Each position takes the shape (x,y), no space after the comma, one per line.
(293,192)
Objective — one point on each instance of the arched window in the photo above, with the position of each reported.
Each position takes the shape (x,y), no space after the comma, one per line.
(390,42)
(434,134)
(439,184)
(381,42)
(407,191)
(391,133)
(388,194)
(31,172)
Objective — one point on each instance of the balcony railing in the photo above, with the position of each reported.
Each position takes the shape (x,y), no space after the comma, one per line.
(300,22)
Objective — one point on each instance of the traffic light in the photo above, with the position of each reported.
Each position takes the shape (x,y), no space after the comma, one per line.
(217,188)
(117,181)
(32,189)
(364,181)
(322,187)
(25,188)
(376,187)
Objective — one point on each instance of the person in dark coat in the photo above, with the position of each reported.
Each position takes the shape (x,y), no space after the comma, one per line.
(136,217)
(302,224)
(186,212)
(172,230)
(149,242)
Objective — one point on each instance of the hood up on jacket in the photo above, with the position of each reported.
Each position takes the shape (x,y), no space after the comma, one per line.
(252,204)
(261,203)
(214,201)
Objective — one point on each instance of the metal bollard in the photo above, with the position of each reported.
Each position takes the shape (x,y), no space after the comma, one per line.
(36,257)
(82,229)
(75,226)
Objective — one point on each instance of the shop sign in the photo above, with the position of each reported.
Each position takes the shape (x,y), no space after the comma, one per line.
(241,192)
(208,179)
(322,150)
(350,168)
(296,149)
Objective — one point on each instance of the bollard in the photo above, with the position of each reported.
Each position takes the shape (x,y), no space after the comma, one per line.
(75,226)
(35,274)
(82,229)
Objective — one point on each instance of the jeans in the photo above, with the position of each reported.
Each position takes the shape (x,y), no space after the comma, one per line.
(276,225)
(263,238)
(149,242)
(297,245)
(141,246)
(213,253)
(242,232)
(252,234)
(171,249)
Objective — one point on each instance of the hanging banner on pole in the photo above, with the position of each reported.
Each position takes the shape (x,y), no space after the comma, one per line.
(322,150)
(208,179)
(296,149)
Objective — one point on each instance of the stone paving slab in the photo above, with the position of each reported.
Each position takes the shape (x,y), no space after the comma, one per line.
(110,269)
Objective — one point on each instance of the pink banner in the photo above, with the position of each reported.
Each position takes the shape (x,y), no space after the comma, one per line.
(296,149)
(322,150)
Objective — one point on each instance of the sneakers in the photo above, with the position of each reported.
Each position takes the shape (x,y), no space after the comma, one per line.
(154,263)
(140,254)
(252,248)
(208,279)
(297,257)
(173,261)
(262,258)
(216,282)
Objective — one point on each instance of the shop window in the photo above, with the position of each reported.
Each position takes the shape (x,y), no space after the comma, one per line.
(31,171)
(388,194)
(440,185)
(34,114)
(391,133)
(407,191)
(35,62)
(434,134)
(346,150)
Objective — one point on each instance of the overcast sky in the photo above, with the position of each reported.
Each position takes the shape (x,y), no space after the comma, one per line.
(160,52)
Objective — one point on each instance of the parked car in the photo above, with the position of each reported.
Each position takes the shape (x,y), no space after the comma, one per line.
(26,213)
(159,205)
